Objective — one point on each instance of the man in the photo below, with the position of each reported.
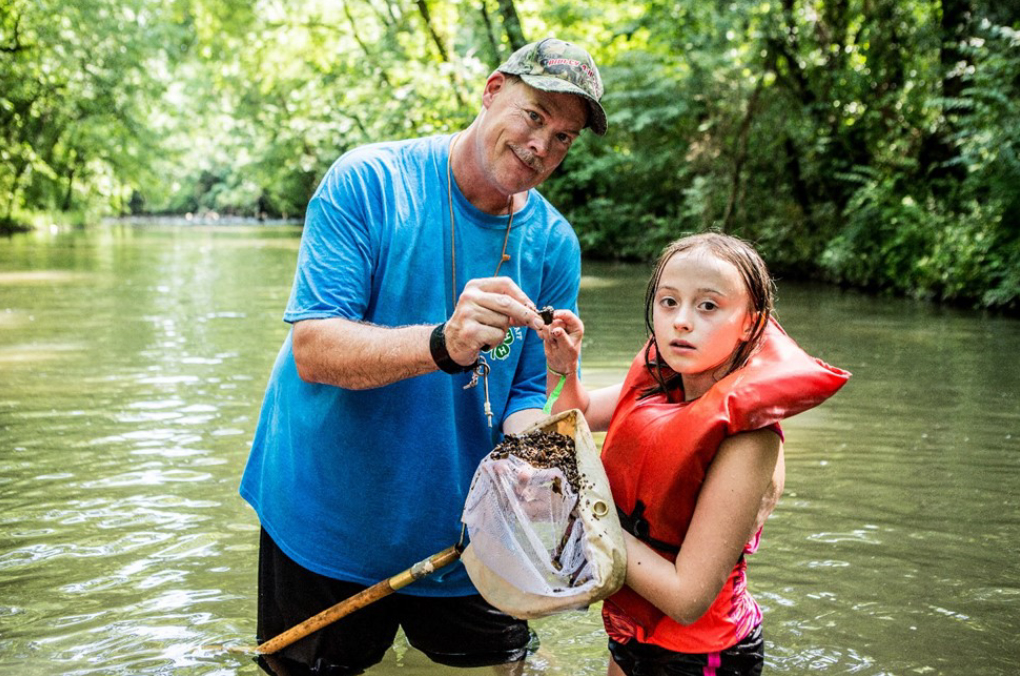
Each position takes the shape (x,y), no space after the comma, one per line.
(418,259)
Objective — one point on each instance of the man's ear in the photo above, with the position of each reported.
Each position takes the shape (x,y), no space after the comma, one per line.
(493,86)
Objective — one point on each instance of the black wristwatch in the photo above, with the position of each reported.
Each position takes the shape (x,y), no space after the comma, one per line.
(440,355)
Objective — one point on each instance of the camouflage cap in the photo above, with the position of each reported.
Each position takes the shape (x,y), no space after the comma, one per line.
(556,66)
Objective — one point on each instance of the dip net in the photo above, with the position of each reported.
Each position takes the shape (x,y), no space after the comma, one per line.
(544,535)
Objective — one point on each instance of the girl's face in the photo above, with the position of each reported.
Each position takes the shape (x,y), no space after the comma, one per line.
(700,316)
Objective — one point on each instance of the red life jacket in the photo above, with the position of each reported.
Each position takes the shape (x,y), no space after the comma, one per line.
(656,454)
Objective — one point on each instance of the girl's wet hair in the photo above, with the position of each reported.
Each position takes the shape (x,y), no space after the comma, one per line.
(757,281)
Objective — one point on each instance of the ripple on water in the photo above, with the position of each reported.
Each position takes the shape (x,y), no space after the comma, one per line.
(150,416)
(126,647)
(17,355)
(155,476)
(29,555)
(866,535)
(202,545)
(173,452)
(812,659)
(162,577)
(157,404)
(132,519)
(36,553)
(168,380)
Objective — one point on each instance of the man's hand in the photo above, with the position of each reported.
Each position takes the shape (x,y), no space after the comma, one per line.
(357,356)
(487,308)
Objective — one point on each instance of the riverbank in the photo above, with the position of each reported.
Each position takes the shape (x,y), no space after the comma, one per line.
(210,218)
(9,226)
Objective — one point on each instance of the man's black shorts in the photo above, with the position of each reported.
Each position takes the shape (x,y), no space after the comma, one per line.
(463,631)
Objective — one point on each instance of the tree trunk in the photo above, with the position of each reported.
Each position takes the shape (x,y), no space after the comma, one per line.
(798,186)
(14,190)
(936,148)
(66,206)
(954,23)
(741,156)
(784,45)
(423,9)
(13,41)
(497,57)
(512,24)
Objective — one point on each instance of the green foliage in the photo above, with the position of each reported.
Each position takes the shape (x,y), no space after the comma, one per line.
(873,143)
(76,85)
(952,238)
(625,198)
(899,244)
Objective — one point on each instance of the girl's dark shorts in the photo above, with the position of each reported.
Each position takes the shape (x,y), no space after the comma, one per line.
(462,631)
(747,658)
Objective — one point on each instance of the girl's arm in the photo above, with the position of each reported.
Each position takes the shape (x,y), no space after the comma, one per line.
(597,405)
(562,341)
(773,493)
(724,520)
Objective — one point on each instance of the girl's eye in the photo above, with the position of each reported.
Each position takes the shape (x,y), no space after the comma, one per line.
(709,305)
(668,302)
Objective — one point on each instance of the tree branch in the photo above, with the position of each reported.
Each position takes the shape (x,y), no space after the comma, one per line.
(740,157)
(361,43)
(15,45)
(423,9)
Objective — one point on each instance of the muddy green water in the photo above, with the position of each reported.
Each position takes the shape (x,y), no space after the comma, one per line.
(132,364)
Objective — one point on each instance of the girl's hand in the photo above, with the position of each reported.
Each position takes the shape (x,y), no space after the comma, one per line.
(562,341)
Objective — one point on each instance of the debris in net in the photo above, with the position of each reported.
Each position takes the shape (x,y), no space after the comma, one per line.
(542,450)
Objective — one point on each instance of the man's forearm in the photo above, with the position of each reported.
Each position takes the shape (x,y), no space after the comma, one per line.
(358,356)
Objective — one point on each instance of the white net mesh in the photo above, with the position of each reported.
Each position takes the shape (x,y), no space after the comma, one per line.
(544,535)
(522,525)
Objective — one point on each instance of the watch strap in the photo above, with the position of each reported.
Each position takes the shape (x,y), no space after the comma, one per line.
(440,355)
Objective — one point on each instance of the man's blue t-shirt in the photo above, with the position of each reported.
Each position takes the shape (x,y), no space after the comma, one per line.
(359,485)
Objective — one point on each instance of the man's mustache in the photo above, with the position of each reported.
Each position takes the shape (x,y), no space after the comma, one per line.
(529,158)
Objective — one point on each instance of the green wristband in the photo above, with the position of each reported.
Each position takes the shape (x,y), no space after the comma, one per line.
(547,409)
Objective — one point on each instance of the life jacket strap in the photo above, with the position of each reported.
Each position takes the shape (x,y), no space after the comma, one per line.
(637,525)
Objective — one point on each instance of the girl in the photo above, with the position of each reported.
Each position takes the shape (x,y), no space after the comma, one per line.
(692,446)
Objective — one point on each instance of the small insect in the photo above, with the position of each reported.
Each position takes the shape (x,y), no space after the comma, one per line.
(547,314)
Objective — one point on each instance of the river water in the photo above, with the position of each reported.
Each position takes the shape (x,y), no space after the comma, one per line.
(132,364)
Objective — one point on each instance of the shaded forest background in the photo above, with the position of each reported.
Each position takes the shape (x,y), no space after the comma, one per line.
(871,143)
